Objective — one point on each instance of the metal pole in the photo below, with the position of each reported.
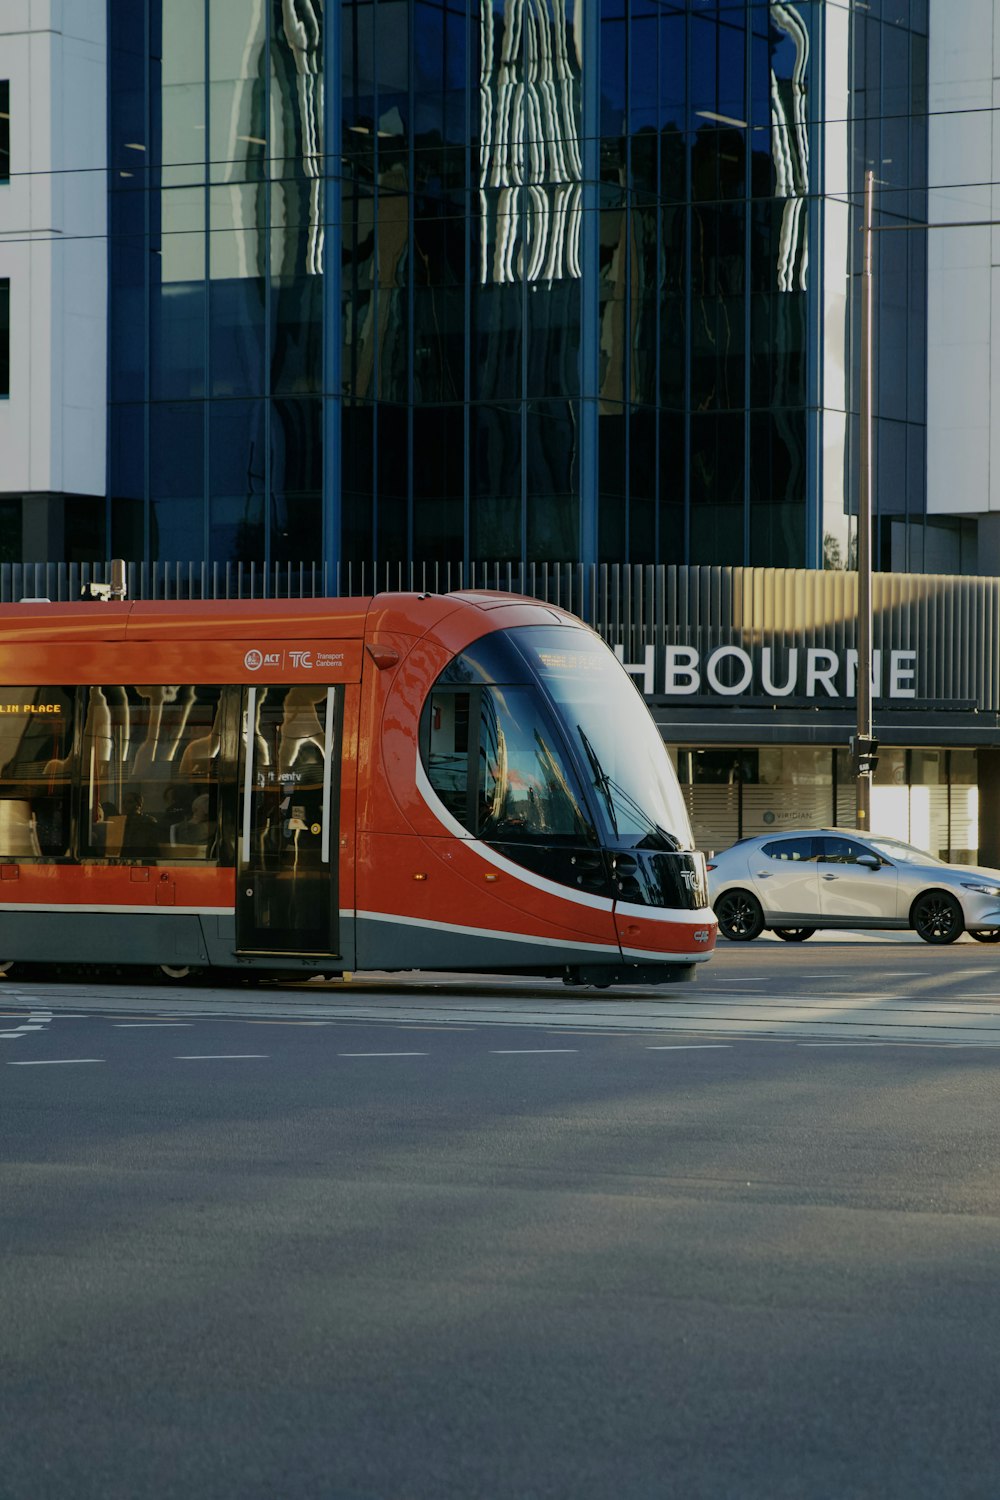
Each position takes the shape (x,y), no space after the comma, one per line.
(863,777)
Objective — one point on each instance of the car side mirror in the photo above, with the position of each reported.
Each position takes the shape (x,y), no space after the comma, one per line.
(870,861)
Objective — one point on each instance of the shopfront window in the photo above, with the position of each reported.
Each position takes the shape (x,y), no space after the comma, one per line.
(925,797)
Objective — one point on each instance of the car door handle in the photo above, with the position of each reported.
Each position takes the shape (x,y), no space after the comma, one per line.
(828,877)
(763,874)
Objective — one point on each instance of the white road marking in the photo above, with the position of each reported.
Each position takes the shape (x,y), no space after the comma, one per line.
(866,1043)
(691,1047)
(52,1062)
(892,974)
(381,1054)
(218,1056)
(154,1025)
(594,1031)
(528,1051)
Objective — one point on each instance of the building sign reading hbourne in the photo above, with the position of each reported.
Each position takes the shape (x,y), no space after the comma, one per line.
(799,671)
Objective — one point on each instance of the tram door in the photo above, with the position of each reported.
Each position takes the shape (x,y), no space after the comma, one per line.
(286,893)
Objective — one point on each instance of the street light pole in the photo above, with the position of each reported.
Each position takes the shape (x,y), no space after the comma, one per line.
(863,739)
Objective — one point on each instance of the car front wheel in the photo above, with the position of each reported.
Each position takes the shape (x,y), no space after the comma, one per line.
(740,916)
(985,934)
(937,917)
(793,934)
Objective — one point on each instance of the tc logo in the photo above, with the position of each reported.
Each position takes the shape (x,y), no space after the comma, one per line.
(253,661)
(301,659)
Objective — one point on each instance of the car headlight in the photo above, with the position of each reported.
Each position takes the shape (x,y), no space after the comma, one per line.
(984,890)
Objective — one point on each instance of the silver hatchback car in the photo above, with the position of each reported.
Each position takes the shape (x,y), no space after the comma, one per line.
(794,883)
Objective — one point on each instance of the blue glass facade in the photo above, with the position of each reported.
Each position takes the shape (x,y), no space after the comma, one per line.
(889,137)
(429,281)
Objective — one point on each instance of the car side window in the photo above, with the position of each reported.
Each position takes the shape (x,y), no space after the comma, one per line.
(799,850)
(841,851)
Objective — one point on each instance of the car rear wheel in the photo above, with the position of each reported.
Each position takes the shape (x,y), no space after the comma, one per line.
(937,917)
(793,934)
(740,916)
(985,934)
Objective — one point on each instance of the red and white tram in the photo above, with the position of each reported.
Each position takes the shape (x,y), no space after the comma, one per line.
(463,782)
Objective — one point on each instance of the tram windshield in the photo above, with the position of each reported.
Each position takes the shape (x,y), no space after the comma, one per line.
(495,750)
(606,718)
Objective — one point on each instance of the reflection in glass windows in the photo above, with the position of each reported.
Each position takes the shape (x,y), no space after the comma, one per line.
(494,759)
(296,478)
(495,482)
(544,317)
(177,478)
(438,483)
(36,772)
(552,481)
(529,170)
(237,480)
(150,771)
(777,467)
(717,479)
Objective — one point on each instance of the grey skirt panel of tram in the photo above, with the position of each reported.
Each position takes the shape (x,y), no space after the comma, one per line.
(102,937)
(387,944)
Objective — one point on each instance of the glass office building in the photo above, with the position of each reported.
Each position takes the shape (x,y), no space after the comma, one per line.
(553,280)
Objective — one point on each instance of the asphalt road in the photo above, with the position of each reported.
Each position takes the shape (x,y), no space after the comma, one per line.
(437,1240)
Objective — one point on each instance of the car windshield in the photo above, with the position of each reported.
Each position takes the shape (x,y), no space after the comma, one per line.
(604,714)
(902,853)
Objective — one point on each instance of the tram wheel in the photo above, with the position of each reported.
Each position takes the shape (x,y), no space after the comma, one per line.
(740,916)
(793,934)
(985,934)
(175,971)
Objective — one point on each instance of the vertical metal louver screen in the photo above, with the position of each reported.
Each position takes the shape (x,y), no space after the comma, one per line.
(951,622)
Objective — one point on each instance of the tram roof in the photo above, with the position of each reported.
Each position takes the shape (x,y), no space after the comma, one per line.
(236,619)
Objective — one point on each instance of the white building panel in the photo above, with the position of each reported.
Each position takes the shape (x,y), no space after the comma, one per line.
(53,246)
(962,336)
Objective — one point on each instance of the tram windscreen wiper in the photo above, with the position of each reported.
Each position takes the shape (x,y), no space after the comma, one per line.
(600,776)
(656,837)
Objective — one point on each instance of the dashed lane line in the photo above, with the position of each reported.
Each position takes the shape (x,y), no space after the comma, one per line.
(382,1054)
(220,1056)
(691,1047)
(52,1062)
(528,1051)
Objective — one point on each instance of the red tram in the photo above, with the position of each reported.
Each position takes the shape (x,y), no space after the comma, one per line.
(463,782)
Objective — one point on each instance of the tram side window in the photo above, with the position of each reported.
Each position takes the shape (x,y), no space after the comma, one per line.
(150,772)
(448,752)
(493,759)
(36,765)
